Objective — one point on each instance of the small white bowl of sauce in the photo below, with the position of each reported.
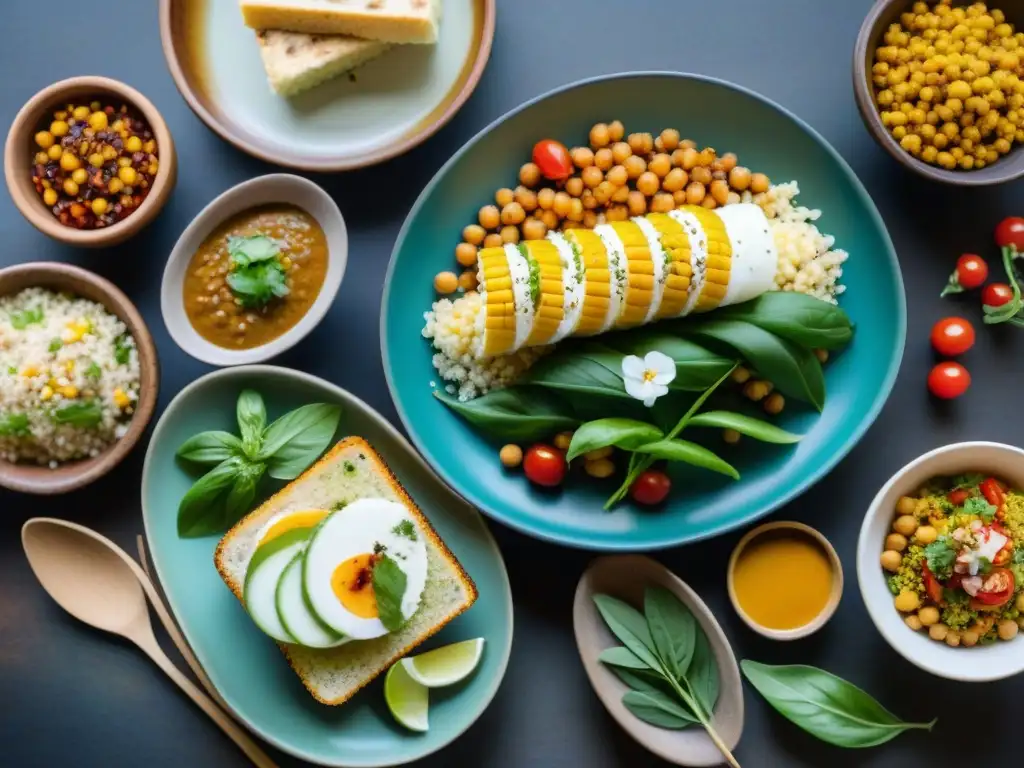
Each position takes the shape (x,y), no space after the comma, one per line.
(785,580)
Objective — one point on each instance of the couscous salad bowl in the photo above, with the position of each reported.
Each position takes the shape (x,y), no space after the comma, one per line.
(652,154)
(79,377)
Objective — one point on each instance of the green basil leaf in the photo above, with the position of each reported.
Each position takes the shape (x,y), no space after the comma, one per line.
(253,248)
(14,425)
(697,367)
(622,433)
(689,453)
(123,346)
(93,371)
(620,656)
(517,414)
(826,706)
(85,414)
(590,369)
(252,418)
(210,447)
(703,673)
(804,320)
(672,628)
(26,317)
(239,500)
(200,513)
(629,625)
(389,582)
(297,439)
(745,425)
(658,709)
(793,370)
(55,345)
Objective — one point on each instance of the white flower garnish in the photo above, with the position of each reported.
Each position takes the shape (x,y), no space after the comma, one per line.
(648,379)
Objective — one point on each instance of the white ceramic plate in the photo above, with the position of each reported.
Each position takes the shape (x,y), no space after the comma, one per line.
(263,190)
(393,103)
(974,665)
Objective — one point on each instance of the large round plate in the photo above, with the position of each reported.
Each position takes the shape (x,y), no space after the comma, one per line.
(246,667)
(392,104)
(714,113)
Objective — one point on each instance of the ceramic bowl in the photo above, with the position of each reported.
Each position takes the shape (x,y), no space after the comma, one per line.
(977,664)
(20,148)
(626,577)
(881,15)
(834,595)
(30,478)
(263,190)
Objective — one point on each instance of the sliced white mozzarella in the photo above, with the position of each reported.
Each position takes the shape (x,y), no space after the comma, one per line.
(698,256)
(574,280)
(618,276)
(519,271)
(755,259)
(660,261)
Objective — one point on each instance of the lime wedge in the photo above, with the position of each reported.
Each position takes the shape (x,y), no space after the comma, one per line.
(447,665)
(406,699)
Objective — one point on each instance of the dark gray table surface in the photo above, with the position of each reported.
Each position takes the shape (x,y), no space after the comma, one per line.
(73,696)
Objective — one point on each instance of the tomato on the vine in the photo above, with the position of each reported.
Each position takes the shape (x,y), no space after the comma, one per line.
(650,488)
(553,159)
(1010,232)
(996,295)
(971,272)
(952,336)
(544,465)
(948,380)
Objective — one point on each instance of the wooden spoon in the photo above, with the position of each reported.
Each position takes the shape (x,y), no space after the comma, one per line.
(95,581)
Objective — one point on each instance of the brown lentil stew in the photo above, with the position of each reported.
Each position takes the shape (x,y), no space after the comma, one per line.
(95,164)
(218,315)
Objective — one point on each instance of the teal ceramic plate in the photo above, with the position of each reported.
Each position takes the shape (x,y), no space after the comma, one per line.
(387,106)
(729,118)
(246,667)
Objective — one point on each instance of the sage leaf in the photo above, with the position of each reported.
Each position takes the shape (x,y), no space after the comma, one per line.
(210,447)
(697,367)
(745,425)
(672,628)
(629,625)
(252,417)
(689,453)
(304,446)
(826,706)
(517,414)
(794,370)
(703,673)
(622,433)
(658,709)
(643,680)
(805,320)
(198,512)
(389,582)
(620,656)
(590,369)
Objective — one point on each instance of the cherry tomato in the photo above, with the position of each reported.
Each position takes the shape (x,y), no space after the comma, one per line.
(952,336)
(544,465)
(932,585)
(1011,232)
(996,590)
(553,159)
(948,380)
(957,497)
(971,272)
(996,294)
(993,492)
(650,488)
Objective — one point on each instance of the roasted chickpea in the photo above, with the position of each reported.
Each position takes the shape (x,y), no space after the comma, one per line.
(669,139)
(905,524)
(969,637)
(702,174)
(695,193)
(493,240)
(549,219)
(620,195)
(527,198)
(589,219)
(913,622)
(637,203)
(604,159)
(512,213)
(925,535)
(618,175)
(1007,629)
(688,158)
(465,254)
(720,191)
(675,180)
(489,217)
(616,130)
(952,638)
(891,560)
(660,165)
(600,469)
(928,615)
(591,177)
(938,632)
(511,456)
(574,186)
(563,440)
(731,436)
(662,202)
(906,506)
(445,282)
(534,229)
(648,183)
(510,234)
(562,204)
(775,402)
(620,151)
(474,234)
(599,136)
(529,175)
(545,198)
(759,183)
(504,196)
(634,166)
(907,601)
(896,541)
(582,157)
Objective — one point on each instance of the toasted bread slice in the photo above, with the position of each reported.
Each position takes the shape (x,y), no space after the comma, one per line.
(391,21)
(296,62)
(349,471)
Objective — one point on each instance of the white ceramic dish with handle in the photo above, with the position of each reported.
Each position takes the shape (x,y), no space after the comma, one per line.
(974,665)
(264,190)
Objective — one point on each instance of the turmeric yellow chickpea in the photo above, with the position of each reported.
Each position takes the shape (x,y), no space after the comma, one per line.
(928,615)
(907,601)
(512,213)
(1007,629)
(616,130)
(574,186)
(50,197)
(55,152)
(467,280)
(662,202)
(634,166)
(474,234)
(618,175)
(620,151)
(98,121)
(466,253)
(44,139)
(591,177)
(660,165)
(509,234)
(896,541)
(938,632)
(905,525)
(70,187)
(69,162)
(774,404)
(534,229)
(891,560)
(925,535)
(80,113)
(601,469)
(562,440)
(969,637)
(529,175)
(599,136)
(504,196)
(648,183)
(669,139)
(759,183)
(636,203)
(59,128)
(695,193)
(913,622)
(493,240)
(511,456)
(603,159)
(740,178)
(445,282)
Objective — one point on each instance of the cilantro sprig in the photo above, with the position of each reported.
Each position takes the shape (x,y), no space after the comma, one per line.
(940,556)
(1010,311)
(977,505)
(257,275)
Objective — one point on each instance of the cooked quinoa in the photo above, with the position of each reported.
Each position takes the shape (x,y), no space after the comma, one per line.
(808,264)
(69,378)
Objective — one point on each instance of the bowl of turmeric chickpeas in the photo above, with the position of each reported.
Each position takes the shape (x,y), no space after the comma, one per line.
(940,85)
(89,161)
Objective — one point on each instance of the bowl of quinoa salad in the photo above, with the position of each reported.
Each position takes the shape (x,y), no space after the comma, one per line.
(78,377)
(940,561)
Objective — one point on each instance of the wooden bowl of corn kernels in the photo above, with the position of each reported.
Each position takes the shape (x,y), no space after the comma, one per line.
(940,85)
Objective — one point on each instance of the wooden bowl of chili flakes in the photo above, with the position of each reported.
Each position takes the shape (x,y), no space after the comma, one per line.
(89,161)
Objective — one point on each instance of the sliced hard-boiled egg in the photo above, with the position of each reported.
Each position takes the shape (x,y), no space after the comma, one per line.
(754,256)
(573,281)
(343,555)
(278,543)
(519,271)
(618,276)
(296,617)
(698,256)
(659,262)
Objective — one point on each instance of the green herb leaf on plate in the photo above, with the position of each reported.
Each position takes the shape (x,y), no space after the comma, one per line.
(93,371)
(55,345)
(14,425)
(258,283)
(84,414)
(389,582)
(620,656)
(826,706)
(517,414)
(672,628)
(622,433)
(296,440)
(658,709)
(588,369)
(210,447)
(239,499)
(745,425)
(689,453)
(252,418)
(940,555)
(629,625)
(26,317)
(200,512)
(697,367)
(123,346)
(977,505)
(703,673)
(251,249)
(804,320)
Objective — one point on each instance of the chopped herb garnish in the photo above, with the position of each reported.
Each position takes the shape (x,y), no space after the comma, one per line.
(14,425)
(257,275)
(967,480)
(406,529)
(85,414)
(976,505)
(123,349)
(534,274)
(12,370)
(379,548)
(339,505)
(349,467)
(55,345)
(940,556)
(389,583)
(93,371)
(25,318)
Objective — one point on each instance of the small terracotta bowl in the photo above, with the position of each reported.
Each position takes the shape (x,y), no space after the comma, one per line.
(21,146)
(881,15)
(834,595)
(31,478)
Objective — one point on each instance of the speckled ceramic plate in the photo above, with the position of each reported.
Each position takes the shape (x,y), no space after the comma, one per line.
(392,104)
(246,666)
